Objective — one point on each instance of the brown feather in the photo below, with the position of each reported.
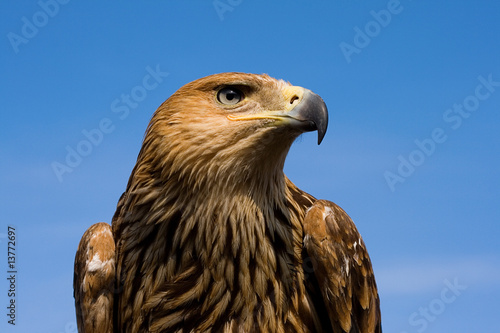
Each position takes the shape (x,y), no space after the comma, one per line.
(343,269)
(94,280)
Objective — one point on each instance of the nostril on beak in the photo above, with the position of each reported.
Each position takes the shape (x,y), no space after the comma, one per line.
(294,98)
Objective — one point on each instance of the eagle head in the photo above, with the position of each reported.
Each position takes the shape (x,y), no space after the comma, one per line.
(232,124)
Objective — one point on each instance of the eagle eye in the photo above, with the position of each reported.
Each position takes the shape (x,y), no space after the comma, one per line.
(229,96)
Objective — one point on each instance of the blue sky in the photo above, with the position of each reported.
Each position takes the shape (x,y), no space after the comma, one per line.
(411,153)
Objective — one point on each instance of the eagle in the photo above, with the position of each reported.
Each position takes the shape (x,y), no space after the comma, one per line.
(211,236)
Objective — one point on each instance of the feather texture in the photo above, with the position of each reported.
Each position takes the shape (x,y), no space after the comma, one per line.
(94,280)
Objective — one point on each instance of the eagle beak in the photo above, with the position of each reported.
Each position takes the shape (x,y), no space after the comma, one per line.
(304,111)
(311,114)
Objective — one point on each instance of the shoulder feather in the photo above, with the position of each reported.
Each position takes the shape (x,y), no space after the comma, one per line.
(342,269)
(93,282)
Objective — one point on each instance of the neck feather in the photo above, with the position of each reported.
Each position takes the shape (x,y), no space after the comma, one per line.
(212,241)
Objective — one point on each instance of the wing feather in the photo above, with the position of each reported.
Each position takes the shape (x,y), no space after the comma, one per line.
(93,281)
(342,269)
